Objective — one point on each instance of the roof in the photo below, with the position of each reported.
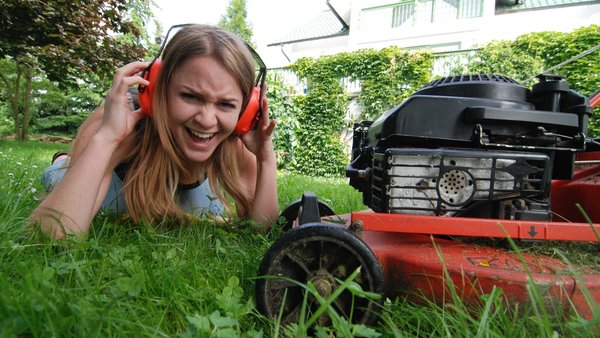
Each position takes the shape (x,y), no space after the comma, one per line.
(510,6)
(326,25)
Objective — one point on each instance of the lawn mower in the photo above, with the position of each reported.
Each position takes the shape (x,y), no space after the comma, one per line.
(464,157)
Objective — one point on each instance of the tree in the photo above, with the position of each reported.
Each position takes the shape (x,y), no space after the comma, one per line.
(65,41)
(234,20)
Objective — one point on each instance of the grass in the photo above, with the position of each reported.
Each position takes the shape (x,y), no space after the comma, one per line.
(334,192)
(196,281)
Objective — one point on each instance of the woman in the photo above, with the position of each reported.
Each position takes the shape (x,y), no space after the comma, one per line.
(185,158)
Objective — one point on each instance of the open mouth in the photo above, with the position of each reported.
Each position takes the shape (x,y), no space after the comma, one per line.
(199,137)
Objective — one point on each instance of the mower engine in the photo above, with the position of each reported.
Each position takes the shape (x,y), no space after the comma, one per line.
(471,146)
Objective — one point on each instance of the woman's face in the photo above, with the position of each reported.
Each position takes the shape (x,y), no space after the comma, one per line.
(203,105)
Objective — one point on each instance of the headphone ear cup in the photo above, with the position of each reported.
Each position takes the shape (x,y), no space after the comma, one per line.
(146,93)
(250,115)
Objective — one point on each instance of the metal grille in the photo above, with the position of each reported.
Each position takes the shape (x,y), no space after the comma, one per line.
(444,181)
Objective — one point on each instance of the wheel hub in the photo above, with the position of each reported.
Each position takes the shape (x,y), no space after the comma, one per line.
(323,284)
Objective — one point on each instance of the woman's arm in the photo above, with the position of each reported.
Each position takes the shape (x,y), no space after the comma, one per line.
(73,203)
(260,176)
(260,170)
(87,130)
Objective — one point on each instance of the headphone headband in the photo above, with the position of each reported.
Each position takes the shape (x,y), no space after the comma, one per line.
(262,68)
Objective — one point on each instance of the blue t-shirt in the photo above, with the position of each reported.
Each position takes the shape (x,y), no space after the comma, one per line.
(198,198)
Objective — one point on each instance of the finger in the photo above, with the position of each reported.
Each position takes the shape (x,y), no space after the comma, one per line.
(132,68)
(264,100)
(122,85)
(270,128)
(265,111)
(135,80)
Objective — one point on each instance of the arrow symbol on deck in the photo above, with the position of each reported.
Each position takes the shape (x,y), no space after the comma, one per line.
(532,231)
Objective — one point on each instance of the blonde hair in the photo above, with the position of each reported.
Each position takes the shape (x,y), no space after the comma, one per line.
(155,163)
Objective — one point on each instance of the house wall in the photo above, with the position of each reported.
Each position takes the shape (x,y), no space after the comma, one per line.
(370,27)
(563,19)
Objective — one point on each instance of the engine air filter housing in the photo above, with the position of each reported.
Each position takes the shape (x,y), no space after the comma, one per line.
(448,181)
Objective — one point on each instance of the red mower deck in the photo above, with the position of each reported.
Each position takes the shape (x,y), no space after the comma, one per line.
(417,266)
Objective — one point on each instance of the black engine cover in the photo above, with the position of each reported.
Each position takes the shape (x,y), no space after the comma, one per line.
(483,111)
(471,129)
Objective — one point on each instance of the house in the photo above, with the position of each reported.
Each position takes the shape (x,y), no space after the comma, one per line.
(446,27)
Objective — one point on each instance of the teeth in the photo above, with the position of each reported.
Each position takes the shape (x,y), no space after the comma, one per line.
(200,135)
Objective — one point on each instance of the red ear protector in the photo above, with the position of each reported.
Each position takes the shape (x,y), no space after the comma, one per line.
(146,93)
(251,115)
(248,119)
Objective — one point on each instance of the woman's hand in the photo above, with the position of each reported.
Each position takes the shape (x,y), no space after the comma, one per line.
(118,120)
(260,141)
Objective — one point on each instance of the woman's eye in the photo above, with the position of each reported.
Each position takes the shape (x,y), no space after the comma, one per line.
(189,96)
(228,105)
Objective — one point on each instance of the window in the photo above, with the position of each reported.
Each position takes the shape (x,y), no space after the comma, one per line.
(470,9)
(402,13)
(417,12)
(424,12)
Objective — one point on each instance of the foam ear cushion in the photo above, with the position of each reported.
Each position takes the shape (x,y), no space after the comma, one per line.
(250,114)
(147,94)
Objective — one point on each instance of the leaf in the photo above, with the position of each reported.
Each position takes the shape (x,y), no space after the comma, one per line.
(254,334)
(48,273)
(219,321)
(172,253)
(227,333)
(219,247)
(201,323)
(355,288)
(360,330)
(131,285)
(238,292)
(227,292)
(233,281)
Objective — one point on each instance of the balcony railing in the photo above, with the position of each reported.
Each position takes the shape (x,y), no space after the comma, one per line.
(415,12)
(411,13)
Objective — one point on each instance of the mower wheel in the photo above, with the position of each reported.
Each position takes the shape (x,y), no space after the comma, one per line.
(291,213)
(325,255)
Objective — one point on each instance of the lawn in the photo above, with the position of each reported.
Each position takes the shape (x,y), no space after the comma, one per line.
(198,280)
